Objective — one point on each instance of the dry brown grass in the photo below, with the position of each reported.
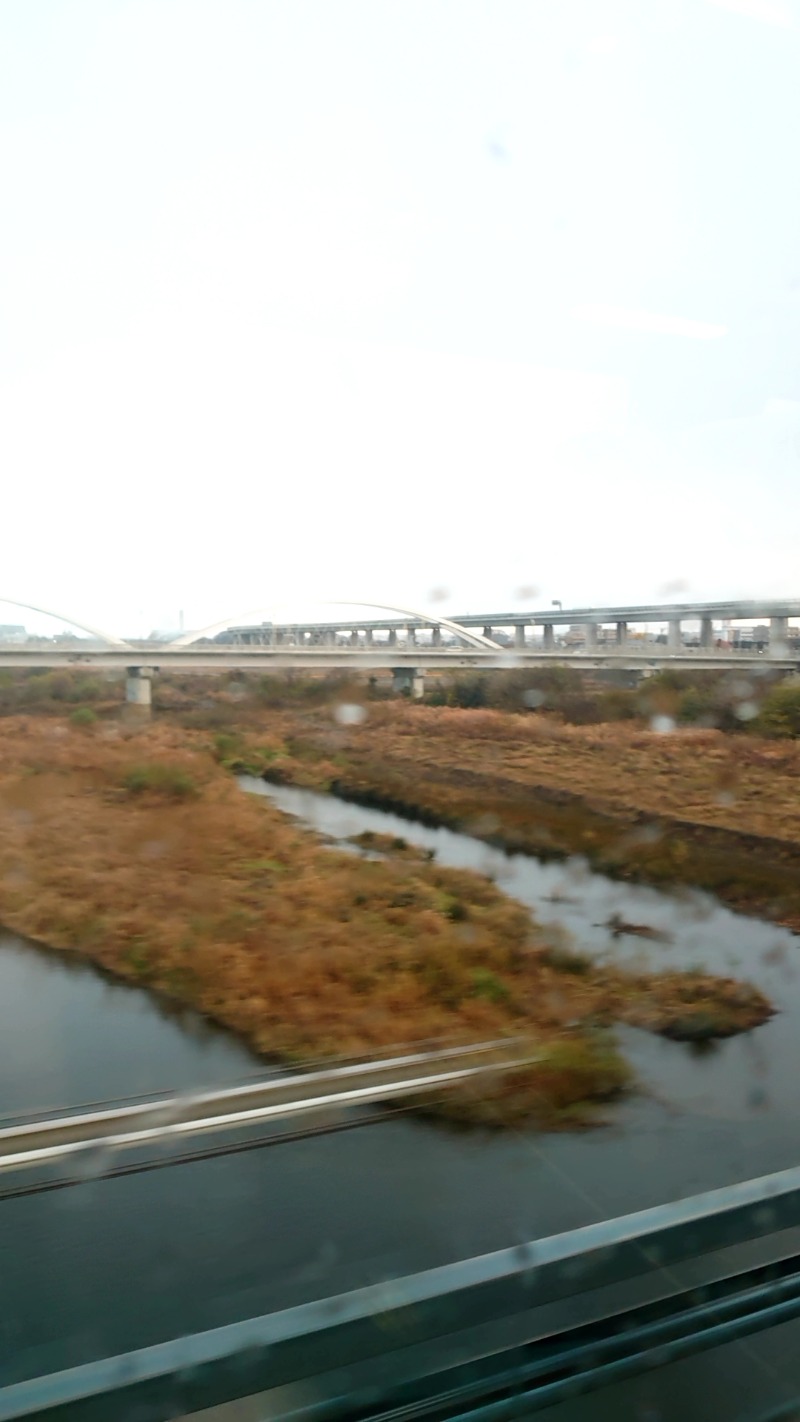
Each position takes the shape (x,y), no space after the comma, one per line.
(699,807)
(702,775)
(137,849)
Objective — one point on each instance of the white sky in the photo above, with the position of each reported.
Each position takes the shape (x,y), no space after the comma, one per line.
(306,299)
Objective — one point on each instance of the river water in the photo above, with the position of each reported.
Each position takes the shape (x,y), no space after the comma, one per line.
(750,1079)
(115,1263)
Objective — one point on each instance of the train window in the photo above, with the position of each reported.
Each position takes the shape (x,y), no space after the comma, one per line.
(399,708)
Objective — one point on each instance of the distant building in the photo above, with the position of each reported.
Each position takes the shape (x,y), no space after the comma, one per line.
(12,632)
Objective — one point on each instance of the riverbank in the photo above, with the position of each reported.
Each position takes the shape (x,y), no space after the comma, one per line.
(698,808)
(138,850)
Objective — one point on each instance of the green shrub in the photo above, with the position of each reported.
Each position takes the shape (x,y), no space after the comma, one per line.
(566,960)
(83,716)
(170,781)
(487,984)
(780,711)
(695,706)
(453,908)
(86,688)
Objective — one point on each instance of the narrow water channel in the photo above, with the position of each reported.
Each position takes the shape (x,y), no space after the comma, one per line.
(750,1079)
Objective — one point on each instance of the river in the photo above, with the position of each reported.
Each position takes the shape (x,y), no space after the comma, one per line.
(115,1263)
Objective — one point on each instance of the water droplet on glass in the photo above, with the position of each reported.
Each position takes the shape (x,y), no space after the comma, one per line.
(662,725)
(747,710)
(348,713)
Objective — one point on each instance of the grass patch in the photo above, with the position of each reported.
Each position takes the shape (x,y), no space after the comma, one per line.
(169,781)
(83,716)
(487,984)
(566,960)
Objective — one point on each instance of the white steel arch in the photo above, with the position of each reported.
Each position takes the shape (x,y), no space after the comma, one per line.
(71,622)
(475,639)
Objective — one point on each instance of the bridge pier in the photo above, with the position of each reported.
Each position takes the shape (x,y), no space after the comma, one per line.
(519,635)
(622,633)
(706,632)
(392,636)
(590,635)
(368,636)
(778,634)
(408,681)
(139,689)
(487,632)
(436,637)
(674,641)
(411,636)
(549,636)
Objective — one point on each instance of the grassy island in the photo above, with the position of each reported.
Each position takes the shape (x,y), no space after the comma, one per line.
(135,848)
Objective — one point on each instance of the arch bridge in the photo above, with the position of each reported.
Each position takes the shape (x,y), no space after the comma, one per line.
(408,641)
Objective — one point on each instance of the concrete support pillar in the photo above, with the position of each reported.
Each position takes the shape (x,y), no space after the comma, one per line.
(778,636)
(622,633)
(392,637)
(436,637)
(674,640)
(549,637)
(706,632)
(368,636)
(329,637)
(408,681)
(519,635)
(354,637)
(411,636)
(139,689)
(487,632)
(590,635)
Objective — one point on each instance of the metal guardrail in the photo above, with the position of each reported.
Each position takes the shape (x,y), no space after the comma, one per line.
(382,657)
(277,1098)
(403,1326)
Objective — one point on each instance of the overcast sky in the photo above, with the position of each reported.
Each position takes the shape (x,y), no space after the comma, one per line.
(488,301)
